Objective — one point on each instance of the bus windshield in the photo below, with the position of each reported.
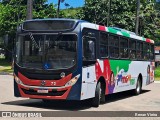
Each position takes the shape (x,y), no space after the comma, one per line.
(46,51)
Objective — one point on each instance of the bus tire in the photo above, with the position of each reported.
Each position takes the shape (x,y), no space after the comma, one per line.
(138,89)
(96,99)
(103,97)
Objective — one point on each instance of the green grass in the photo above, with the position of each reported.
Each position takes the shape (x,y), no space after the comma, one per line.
(5,66)
(157,73)
(157,78)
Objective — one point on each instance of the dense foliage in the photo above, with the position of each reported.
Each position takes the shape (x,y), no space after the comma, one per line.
(123,15)
(13,12)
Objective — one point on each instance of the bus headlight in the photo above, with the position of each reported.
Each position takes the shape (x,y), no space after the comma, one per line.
(72,81)
(18,81)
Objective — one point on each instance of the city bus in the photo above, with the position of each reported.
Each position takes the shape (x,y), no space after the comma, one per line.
(68,59)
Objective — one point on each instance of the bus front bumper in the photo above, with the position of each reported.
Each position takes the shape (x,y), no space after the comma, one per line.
(51,89)
(44,92)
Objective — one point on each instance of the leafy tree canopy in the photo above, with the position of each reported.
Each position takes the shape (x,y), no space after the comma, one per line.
(123,15)
(13,12)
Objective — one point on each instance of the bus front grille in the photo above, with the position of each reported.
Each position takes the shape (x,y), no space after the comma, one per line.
(50,93)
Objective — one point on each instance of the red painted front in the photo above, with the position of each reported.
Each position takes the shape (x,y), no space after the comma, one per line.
(49,83)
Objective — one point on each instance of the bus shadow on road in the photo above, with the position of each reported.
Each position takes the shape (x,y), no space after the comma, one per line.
(51,105)
(121,95)
(69,105)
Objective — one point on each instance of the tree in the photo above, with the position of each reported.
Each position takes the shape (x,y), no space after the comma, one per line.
(137,17)
(123,14)
(13,12)
(58,9)
(29,9)
(150,21)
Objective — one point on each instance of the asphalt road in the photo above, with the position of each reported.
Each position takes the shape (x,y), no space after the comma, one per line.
(149,100)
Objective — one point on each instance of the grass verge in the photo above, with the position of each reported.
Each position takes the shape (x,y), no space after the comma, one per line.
(157,78)
(157,73)
(5,66)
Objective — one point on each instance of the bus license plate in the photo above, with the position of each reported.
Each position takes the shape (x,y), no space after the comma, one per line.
(42,91)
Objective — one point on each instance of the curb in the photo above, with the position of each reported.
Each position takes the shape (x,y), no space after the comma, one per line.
(156,81)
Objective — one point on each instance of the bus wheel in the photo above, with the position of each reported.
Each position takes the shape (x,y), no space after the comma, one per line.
(96,99)
(102,97)
(138,89)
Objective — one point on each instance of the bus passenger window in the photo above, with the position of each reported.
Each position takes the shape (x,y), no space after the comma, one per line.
(88,48)
(113,46)
(132,49)
(123,48)
(152,52)
(139,54)
(146,51)
(141,49)
(103,45)
(132,54)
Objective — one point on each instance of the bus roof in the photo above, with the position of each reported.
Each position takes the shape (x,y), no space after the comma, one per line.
(113,30)
(67,19)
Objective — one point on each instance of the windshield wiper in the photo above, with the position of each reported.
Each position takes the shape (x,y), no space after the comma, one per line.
(33,40)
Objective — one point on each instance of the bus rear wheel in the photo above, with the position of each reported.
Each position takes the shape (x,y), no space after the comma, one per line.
(138,89)
(96,99)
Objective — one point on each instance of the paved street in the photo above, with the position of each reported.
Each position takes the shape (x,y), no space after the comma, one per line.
(149,100)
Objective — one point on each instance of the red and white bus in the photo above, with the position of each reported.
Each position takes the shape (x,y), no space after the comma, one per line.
(66,59)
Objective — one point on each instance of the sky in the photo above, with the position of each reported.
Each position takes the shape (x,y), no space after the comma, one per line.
(72,3)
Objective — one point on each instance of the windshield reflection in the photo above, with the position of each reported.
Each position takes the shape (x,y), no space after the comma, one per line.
(46,51)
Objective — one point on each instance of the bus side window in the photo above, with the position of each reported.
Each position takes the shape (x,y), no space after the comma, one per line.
(152,52)
(123,48)
(88,49)
(139,47)
(146,51)
(113,46)
(103,45)
(138,50)
(132,49)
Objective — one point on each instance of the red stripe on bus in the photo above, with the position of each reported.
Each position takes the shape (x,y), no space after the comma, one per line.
(148,40)
(102,28)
